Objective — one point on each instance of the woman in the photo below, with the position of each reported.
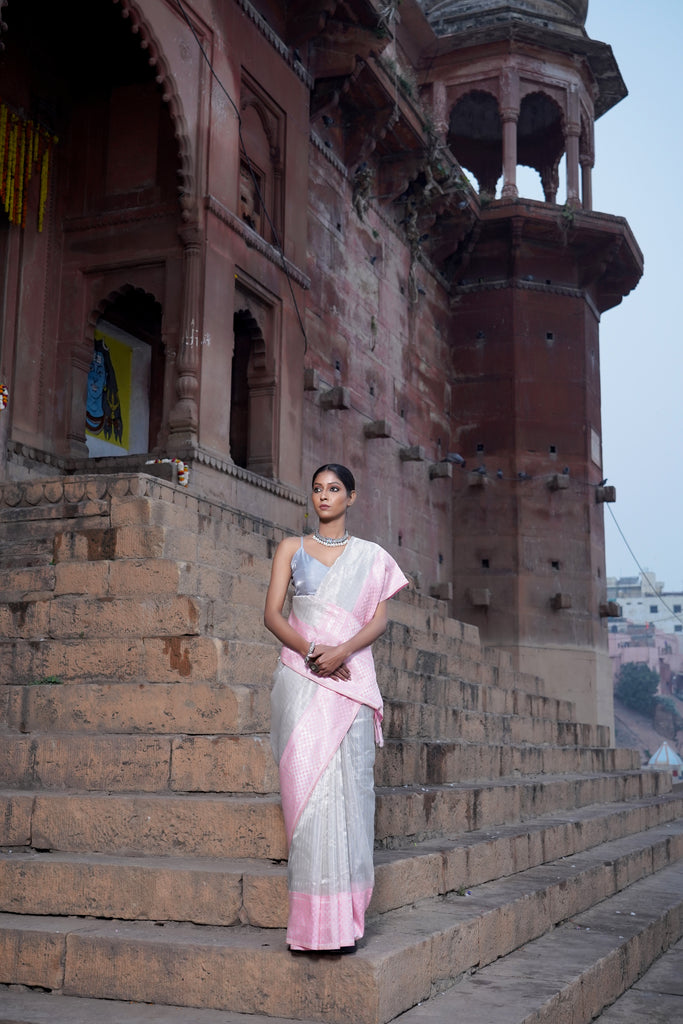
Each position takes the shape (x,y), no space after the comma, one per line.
(327,712)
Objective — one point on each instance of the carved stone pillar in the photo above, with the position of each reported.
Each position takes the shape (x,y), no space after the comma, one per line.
(587,161)
(586,182)
(509,190)
(509,112)
(184,417)
(572,142)
(572,137)
(81,358)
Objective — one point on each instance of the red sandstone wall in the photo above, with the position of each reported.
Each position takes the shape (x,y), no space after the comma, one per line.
(364,334)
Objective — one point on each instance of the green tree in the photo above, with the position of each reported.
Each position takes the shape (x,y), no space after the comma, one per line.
(636,687)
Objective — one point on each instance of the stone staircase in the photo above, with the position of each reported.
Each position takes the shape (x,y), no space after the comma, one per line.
(141,839)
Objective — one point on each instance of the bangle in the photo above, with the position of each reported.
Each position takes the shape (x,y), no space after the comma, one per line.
(307,658)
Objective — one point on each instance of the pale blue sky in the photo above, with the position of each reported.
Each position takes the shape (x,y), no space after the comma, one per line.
(639,175)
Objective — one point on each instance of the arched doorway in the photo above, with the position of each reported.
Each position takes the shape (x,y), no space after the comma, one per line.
(540,140)
(252,399)
(112,213)
(124,401)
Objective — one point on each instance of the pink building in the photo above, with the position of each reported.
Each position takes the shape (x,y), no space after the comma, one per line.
(650,646)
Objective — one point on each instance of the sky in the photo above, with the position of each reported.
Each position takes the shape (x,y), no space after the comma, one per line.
(638,174)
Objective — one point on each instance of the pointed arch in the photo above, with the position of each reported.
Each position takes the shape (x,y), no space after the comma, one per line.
(541,139)
(252,398)
(140,26)
(475,135)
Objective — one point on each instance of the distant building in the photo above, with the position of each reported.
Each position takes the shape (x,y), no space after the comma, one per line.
(643,600)
(630,642)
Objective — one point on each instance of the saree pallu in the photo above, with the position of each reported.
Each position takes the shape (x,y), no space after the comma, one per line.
(323,733)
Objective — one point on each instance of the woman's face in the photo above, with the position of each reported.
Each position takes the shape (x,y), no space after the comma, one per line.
(330,497)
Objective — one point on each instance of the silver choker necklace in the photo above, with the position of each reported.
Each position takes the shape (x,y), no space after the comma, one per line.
(331,542)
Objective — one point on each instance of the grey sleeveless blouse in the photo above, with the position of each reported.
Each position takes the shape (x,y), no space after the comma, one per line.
(307,572)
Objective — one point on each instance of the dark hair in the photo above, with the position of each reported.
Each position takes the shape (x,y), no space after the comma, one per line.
(344,474)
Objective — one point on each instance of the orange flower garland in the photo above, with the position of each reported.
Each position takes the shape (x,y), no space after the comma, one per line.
(4,396)
(183,468)
(24,148)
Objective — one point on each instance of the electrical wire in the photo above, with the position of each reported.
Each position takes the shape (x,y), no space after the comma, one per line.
(659,597)
(243,149)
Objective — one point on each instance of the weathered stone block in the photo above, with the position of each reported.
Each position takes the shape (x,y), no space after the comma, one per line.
(15,819)
(25,619)
(30,955)
(146,889)
(91,578)
(182,707)
(406,880)
(135,542)
(224,764)
(98,762)
(22,583)
(71,617)
(266,900)
(176,826)
(139,577)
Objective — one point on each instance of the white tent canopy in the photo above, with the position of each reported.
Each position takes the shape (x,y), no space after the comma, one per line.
(665,757)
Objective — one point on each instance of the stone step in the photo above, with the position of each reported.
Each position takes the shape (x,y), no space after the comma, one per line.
(186,707)
(21,548)
(656,995)
(415,616)
(206,707)
(438,644)
(234,596)
(409,814)
(137,660)
(409,762)
(411,719)
(154,658)
(213,825)
(101,578)
(164,659)
(407,955)
(458,690)
(143,763)
(575,971)
(244,764)
(430,660)
(19,1005)
(72,618)
(233,892)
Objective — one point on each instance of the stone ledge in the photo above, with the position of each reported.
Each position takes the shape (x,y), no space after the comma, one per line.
(92,494)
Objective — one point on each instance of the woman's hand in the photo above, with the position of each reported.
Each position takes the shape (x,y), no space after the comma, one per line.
(328,662)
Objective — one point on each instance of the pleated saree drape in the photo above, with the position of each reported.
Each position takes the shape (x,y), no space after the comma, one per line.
(323,734)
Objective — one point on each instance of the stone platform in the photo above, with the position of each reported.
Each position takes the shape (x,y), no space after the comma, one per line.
(141,839)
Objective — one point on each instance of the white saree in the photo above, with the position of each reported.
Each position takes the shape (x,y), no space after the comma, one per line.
(323,733)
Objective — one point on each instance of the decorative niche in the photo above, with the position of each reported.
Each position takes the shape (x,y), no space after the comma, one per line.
(261,198)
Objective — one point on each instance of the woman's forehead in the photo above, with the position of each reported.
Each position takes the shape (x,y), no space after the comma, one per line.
(327,477)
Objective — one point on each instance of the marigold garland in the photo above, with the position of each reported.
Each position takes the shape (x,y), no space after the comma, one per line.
(4,396)
(183,469)
(25,148)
